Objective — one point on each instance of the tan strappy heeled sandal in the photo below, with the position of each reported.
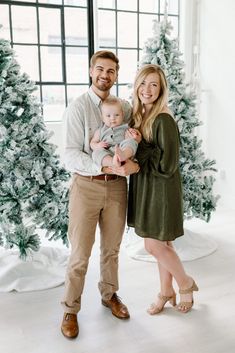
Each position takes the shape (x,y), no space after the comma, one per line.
(184,307)
(155,309)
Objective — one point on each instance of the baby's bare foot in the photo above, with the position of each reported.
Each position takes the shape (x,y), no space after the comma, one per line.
(116,161)
(119,153)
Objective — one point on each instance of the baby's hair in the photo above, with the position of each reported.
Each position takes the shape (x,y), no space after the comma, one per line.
(110,100)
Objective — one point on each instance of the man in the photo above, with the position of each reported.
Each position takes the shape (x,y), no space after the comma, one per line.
(95,198)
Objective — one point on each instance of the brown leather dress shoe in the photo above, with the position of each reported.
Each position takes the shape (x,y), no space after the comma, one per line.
(69,326)
(117,307)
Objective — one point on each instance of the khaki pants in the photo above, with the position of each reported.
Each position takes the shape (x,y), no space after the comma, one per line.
(94,202)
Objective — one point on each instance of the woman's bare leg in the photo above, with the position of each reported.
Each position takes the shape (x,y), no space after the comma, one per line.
(170,265)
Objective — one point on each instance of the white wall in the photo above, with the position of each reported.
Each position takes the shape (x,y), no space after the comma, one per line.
(217,81)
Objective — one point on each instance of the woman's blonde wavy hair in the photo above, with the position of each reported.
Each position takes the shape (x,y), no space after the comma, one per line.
(138,109)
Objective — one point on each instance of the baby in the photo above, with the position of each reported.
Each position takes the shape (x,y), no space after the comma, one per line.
(111,143)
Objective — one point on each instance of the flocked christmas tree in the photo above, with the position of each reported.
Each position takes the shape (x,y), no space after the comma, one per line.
(33,191)
(196,170)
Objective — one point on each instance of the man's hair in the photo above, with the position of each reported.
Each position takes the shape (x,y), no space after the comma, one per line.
(104,54)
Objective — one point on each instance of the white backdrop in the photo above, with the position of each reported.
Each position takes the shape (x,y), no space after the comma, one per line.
(210,24)
(217,80)
(206,28)
(217,60)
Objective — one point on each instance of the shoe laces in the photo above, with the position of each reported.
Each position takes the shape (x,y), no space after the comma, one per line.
(69,316)
(116,298)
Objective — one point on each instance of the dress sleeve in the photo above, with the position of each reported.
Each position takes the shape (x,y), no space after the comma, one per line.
(148,156)
(161,156)
(168,142)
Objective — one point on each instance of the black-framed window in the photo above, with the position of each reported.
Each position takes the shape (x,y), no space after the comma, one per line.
(123,27)
(53,40)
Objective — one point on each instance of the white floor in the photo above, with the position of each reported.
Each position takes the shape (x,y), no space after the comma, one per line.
(30,321)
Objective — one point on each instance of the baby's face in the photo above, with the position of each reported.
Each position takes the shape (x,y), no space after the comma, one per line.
(112,115)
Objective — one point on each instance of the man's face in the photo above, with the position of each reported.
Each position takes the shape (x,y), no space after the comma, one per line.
(103,74)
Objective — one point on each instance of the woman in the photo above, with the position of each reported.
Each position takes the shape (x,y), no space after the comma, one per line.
(155,192)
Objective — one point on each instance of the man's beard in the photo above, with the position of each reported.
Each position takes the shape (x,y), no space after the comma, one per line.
(103,86)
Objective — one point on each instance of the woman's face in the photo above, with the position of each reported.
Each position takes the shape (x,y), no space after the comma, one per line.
(149,89)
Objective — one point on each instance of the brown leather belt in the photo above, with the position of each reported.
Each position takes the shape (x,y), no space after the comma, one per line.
(105,177)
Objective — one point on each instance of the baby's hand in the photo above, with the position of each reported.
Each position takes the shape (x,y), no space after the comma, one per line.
(101,144)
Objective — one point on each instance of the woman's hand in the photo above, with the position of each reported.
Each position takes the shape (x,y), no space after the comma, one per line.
(135,134)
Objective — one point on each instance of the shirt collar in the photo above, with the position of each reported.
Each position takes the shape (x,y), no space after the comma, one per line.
(95,99)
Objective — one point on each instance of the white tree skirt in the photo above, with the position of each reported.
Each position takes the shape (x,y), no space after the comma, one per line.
(45,269)
(189,247)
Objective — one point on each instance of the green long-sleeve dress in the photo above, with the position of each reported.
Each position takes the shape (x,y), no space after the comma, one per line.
(155,206)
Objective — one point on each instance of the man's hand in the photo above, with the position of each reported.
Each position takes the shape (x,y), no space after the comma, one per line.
(126,169)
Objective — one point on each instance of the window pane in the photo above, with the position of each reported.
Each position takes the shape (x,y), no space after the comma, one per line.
(125,92)
(106,28)
(4,21)
(53,102)
(174,21)
(75,2)
(127,5)
(24,24)
(49,34)
(109,4)
(146,28)
(172,7)
(127,21)
(36,94)
(128,65)
(55,2)
(113,90)
(149,6)
(77,65)
(51,64)
(27,57)
(75,91)
(26,0)
(113,50)
(76,34)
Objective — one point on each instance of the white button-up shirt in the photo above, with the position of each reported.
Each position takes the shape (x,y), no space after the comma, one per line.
(82,118)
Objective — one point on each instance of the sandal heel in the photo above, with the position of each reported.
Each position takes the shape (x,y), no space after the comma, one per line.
(155,309)
(184,307)
(172,301)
